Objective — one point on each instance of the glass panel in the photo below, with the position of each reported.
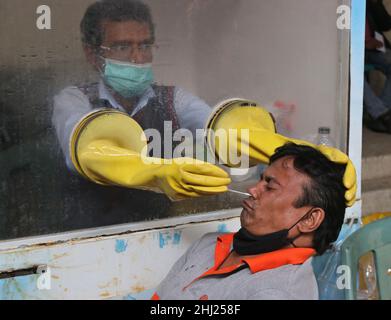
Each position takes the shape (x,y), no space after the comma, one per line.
(267,51)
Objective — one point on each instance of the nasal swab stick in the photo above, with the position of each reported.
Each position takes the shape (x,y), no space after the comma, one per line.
(239,192)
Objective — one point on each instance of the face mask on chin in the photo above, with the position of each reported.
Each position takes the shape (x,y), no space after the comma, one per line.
(126,78)
(245,243)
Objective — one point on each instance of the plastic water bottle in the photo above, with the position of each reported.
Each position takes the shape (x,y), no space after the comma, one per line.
(324,138)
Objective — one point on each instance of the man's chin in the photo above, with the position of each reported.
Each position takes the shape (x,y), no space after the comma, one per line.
(243,217)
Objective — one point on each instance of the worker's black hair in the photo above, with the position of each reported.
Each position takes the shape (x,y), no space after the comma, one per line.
(326,190)
(112,10)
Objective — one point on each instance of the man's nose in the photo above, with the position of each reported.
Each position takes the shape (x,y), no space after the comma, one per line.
(253,191)
(256,190)
(136,55)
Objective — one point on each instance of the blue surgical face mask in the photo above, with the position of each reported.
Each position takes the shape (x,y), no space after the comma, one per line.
(127,79)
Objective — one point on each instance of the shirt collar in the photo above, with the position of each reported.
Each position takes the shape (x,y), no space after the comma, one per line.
(263,261)
(105,94)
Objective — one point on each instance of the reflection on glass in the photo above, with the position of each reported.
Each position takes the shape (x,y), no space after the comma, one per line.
(169,66)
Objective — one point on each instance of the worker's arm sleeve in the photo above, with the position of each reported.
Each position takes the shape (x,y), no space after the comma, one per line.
(69,106)
(192,111)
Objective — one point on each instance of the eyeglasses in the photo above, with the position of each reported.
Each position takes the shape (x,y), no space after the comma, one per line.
(124,52)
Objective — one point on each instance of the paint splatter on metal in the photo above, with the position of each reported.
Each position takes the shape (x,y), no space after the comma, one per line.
(144,295)
(176,238)
(169,237)
(120,246)
(105,294)
(20,288)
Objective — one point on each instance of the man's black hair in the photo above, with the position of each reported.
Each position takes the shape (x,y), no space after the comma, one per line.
(326,189)
(112,10)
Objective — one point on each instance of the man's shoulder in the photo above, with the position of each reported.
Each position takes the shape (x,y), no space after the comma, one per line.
(297,281)
(295,272)
(211,237)
(302,272)
(69,92)
(78,90)
(70,101)
(184,93)
(208,240)
(77,95)
(302,281)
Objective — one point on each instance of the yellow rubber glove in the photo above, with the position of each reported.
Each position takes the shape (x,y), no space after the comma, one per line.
(178,178)
(107,158)
(261,141)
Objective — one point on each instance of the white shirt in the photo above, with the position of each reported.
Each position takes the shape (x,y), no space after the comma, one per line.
(71,105)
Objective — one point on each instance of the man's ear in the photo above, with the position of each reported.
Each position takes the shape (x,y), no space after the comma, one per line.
(313,221)
(91,57)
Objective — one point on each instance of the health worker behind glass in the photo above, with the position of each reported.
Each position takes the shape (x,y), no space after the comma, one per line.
(295,211)
(119,40)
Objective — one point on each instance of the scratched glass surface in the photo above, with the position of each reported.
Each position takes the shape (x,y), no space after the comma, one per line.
(215,49)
